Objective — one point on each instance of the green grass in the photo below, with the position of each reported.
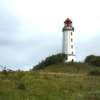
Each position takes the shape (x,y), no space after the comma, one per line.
(70,68)
(56,82)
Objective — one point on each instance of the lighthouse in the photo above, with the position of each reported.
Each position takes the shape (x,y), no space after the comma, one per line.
(68,47)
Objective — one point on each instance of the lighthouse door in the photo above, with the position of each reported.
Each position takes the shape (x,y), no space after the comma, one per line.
(72,60)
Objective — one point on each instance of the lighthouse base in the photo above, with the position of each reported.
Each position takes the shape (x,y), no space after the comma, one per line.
(70,58)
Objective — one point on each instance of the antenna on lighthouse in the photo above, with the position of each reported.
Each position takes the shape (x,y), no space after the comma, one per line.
(68,47)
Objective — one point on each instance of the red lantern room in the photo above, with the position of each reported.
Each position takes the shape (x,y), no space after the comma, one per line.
(68,22)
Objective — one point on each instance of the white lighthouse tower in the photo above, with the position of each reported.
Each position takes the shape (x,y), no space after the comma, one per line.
(68,41)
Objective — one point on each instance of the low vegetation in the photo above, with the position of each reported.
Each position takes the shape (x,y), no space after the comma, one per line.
(55,81)
(39,85)
(95,72)
(54,59)
(93,60)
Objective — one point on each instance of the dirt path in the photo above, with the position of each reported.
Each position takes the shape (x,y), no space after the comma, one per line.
(62,74)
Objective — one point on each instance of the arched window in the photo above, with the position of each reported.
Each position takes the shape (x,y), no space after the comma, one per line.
(71,40)
(71,46)
(72,60)
(71,33)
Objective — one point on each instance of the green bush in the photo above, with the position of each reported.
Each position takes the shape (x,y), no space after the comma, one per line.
(21,86)
(54,59)
(93,60)
(90,59)
(94,72)
(5,72)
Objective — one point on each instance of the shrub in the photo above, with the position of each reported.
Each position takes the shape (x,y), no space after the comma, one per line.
(94,72)
(93,60)
(54,59)
(21,86)
(4,71)
(90,59)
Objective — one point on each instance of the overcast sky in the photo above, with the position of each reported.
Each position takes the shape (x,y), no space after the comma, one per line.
(31,30)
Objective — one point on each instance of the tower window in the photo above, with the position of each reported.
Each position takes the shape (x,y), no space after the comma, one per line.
(71,46)
(71,33)
(72,60)
(71,40)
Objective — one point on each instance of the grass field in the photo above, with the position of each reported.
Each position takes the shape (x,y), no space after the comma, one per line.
(52,83)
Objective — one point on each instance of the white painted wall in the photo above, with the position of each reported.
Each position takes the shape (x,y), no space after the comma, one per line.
(67,45)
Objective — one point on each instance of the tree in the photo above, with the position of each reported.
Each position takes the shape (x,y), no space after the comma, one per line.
(54,59)
(89,59)
(92,59)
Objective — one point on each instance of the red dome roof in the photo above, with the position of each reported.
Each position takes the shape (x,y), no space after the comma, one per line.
(67,21)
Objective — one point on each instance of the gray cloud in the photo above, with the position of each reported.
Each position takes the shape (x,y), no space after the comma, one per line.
(8,26)
(24,48)
(88,47)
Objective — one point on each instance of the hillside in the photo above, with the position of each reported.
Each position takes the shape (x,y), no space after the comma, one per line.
(73,81)
(70,68)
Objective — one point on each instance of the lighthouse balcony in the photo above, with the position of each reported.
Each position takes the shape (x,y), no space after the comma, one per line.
(68,29)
